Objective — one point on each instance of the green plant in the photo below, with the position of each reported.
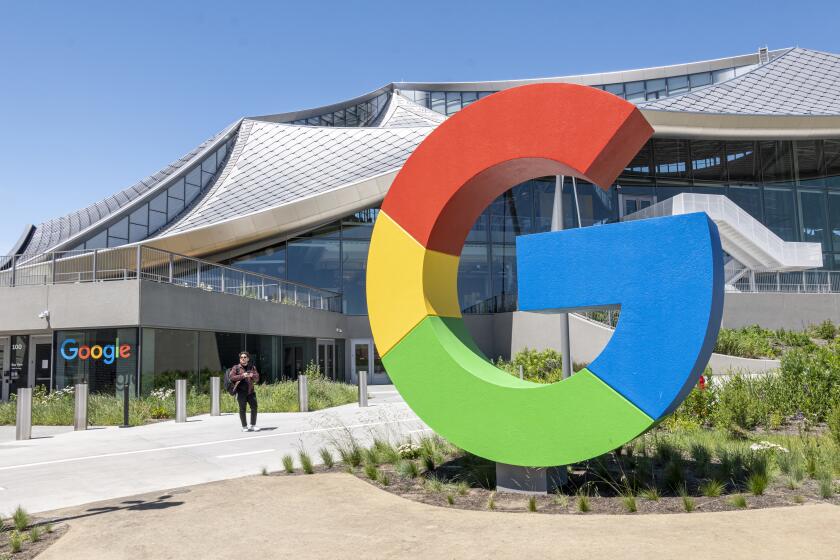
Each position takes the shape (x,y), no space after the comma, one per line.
(15,541)
(49,528)
(583,503)
(383,478)
(434,485)
(826,330)
(385,452)
(798,499)
(491,501)
(688,502)
(674,474)
(264,471)
(35,534)
(371,471)
(326,457)
(651,493)
(825,486)
(288,464)
(833,421)
(712,488)
(450,499)
(351,455)
(629,502)
(561,500)
(407,468)
(532,504)
(21,519)
(305,462)
(739,501)
(757,483)
(370,456)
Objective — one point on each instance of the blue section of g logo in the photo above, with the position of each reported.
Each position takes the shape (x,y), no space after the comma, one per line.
(666,274)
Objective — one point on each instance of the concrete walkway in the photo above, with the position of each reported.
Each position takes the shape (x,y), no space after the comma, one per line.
(338,516)
(60,468)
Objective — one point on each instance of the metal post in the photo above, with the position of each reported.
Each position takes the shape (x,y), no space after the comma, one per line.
(198,275)
(303,393)
(223,280)
(53,269)
(180,400)
(138,260)
(521,374)
(363,395)
(171,268)
(14,270)
(126,384)
(80,412)
(557,225)
(23,420)
(215,396)
(95,251)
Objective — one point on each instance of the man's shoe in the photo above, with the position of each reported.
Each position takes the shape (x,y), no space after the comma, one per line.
(254,429)
(244,429)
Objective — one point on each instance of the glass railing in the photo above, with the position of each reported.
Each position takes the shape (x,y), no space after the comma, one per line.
(155,265)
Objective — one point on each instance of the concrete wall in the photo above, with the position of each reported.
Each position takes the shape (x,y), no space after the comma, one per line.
(780,311)
(85,305)
(170,306)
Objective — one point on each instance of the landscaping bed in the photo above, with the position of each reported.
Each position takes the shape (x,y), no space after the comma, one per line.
(23,537)
(56,408)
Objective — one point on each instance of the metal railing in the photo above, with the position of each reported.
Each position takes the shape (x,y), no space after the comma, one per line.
(801,282)
(156,265)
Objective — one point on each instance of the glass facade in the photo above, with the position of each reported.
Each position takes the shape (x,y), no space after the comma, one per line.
(105,359)
(360,114)
(450,102)
(170,354)
(165,207)
(793,187)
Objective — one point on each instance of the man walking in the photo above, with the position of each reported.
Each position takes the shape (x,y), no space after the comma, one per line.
(244,376)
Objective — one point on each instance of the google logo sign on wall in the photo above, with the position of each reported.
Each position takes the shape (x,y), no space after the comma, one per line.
(666,274)
(109,353)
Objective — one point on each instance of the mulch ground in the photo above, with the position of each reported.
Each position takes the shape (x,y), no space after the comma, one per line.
(29,549)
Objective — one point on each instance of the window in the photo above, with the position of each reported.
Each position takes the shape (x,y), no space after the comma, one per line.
(677,85)
(776,161)
(453,102)
(706,160)
(741,162)
(834,220)
(700,80)
(748,198)
(671,156)
(439,102)
(634,91)
(616,89)
(655,89)
(640,164)
(723,75)
(809,169)
(779,212)
(812,207)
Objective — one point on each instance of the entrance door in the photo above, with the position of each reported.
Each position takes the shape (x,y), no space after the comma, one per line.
(630,203)
(326,356)
(4,369)
(365,358)
(43,359)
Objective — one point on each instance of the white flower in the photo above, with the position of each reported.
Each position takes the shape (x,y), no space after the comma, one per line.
(767,446)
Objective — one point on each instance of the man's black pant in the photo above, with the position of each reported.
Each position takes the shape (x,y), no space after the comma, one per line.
(242,397)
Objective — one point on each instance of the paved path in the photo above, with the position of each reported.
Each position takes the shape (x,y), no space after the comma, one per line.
(60,468)
(338,516)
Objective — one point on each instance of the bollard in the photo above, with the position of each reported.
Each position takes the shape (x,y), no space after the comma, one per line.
(23,423)
(80,412)
(303,393)
(215,396)
(521,374)
(181,400)
(363,395)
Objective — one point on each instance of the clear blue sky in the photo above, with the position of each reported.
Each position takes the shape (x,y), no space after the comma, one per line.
(97,95)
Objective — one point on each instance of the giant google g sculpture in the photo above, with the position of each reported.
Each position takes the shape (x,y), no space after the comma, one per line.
(665,273)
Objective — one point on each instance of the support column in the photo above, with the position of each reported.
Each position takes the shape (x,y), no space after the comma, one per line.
(557,225)
(529,480)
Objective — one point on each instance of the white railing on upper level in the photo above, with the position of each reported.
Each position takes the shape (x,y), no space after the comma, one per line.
(147,263)
(741,235)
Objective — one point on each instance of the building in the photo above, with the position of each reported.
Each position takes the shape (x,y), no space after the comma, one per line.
(258,238)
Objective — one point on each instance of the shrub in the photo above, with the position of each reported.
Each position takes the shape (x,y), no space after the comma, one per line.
(688,502)
(306,462)
(450,499)
(629,502)
(651,493)
(15,541)
(739,501)
(383,478)
(407,469)
(21,519)
(825,486)
(583,503)
(532,504)
(491,501)
(288,464)
(757,483)
(826,330)
(833,421)
(326,457)
(34,534)
(371,471)
(712,488)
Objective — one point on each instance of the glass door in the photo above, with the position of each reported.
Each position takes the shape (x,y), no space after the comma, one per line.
(631,203)
(365,360)
(326,356)
(42,364)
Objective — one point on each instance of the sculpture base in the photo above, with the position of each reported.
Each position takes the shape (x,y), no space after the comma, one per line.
(529,480)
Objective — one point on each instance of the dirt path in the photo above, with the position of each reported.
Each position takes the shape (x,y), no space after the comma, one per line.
(338,516)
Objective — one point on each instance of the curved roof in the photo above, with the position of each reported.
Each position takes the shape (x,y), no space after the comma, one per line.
(800,82)
(280,177)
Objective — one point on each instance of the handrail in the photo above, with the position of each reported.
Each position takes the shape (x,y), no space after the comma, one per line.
(157,265)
